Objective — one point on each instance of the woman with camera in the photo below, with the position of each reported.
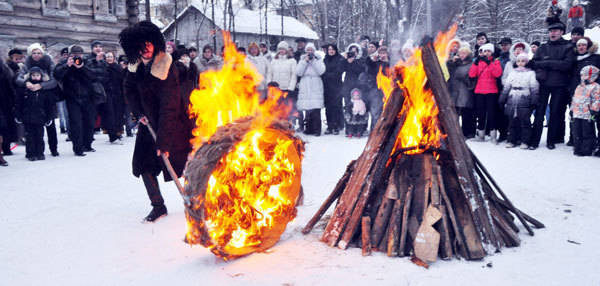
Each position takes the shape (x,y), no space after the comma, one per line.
(310,91)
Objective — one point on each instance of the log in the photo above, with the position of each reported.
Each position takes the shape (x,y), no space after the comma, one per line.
(394,226)
(377,172)
(337,191)
(445,241)
(366,236)
(404,227)
(463,162)
(354,190)
(485,174)
(536,223)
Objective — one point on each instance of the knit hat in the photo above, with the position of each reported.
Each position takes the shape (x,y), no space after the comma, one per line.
(95,43)
(301,39)
(170,43)
(519,45)
(33,47)
(64,50)
(35,69)
(283,45)
(505,40)
(578,31)
(523,56)
(589,73)
(487,47)
(310,45)
(585,40)
(15,51)
(76,49)
(537,43)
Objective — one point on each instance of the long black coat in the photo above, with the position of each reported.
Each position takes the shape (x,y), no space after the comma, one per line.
(591,58)
(76,82)
(7,103)
(153,91)
(332,78)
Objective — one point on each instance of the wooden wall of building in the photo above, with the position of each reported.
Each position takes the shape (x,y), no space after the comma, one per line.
(60,23)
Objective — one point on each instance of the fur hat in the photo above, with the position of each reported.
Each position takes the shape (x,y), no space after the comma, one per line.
(487,47)
(589,73)
(33,47)
(310,45)
(283,45)
(133,40)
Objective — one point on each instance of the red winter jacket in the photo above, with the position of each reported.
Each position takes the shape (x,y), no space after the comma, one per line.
(576,12)
(486,76)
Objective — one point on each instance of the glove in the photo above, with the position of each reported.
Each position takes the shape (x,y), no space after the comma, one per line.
(486,60)
(476,62)
(595,116)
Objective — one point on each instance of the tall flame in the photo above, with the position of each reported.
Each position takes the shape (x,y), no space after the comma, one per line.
(421,129)
(251,194)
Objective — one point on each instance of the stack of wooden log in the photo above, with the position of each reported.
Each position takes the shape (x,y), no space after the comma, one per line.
(439,203)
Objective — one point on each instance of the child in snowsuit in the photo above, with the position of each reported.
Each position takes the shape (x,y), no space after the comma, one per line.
(34,109)
(586,108)
(519,96)
(356,115)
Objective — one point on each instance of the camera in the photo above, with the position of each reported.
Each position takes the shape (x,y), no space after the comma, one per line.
(311,56)
(351,54)
(78,60)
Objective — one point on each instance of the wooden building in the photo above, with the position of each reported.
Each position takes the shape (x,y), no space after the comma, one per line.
(194,27)
(60,23)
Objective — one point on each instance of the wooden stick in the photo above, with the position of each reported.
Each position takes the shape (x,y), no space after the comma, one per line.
(394,226)
(456,145)
(337,191)
(516,211)
(343,213)
(366,236)
(445,242)
(536,223)
(404,228)
(458,234)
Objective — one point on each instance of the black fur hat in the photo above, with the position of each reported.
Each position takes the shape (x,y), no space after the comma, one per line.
(133,40)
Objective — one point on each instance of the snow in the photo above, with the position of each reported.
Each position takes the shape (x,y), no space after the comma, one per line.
(252,21)
(76,221)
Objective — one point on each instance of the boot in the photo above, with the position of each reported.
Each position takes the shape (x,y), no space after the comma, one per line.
(156,213)
(493,136)
(480,135)
(3,163)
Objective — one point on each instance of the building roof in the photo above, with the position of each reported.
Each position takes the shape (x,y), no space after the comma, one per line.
(248,21)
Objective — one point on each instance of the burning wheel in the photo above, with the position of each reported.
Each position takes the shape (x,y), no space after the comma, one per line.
(243,185)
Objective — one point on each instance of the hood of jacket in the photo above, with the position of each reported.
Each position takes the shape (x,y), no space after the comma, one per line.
(360,51)
(527,50)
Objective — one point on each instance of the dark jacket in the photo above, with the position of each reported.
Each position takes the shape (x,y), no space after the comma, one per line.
(591,58)
(372,69)
(553,62)
(153,91)
(504,58)
(76,82)
(459,84)
(35,107)
(332,78)
(47,66)
(7,103)
(114,85)
(99,70)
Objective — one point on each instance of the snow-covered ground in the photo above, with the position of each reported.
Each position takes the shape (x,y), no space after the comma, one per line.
(76,221)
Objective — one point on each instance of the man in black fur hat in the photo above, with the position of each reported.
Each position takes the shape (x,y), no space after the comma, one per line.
(152,89)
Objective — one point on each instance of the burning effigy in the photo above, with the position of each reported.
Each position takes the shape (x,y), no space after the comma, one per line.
(243,179)
(417,190)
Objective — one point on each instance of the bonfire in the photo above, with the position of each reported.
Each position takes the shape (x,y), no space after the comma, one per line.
(243,180)
(417,190)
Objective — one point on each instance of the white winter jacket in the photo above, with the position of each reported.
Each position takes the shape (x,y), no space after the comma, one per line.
(310,90)
(283,72)
(263,66)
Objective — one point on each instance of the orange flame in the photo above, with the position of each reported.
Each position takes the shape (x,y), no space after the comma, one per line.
(251,194)
(421,129)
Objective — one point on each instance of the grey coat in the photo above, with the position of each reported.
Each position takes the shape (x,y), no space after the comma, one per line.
(461,89)
(310,89)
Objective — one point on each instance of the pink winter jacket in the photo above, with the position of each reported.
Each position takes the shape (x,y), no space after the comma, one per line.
(486,76)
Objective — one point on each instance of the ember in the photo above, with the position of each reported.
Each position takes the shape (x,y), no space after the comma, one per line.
(244,178)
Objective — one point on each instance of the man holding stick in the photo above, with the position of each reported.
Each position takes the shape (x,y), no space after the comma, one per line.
(152,90)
